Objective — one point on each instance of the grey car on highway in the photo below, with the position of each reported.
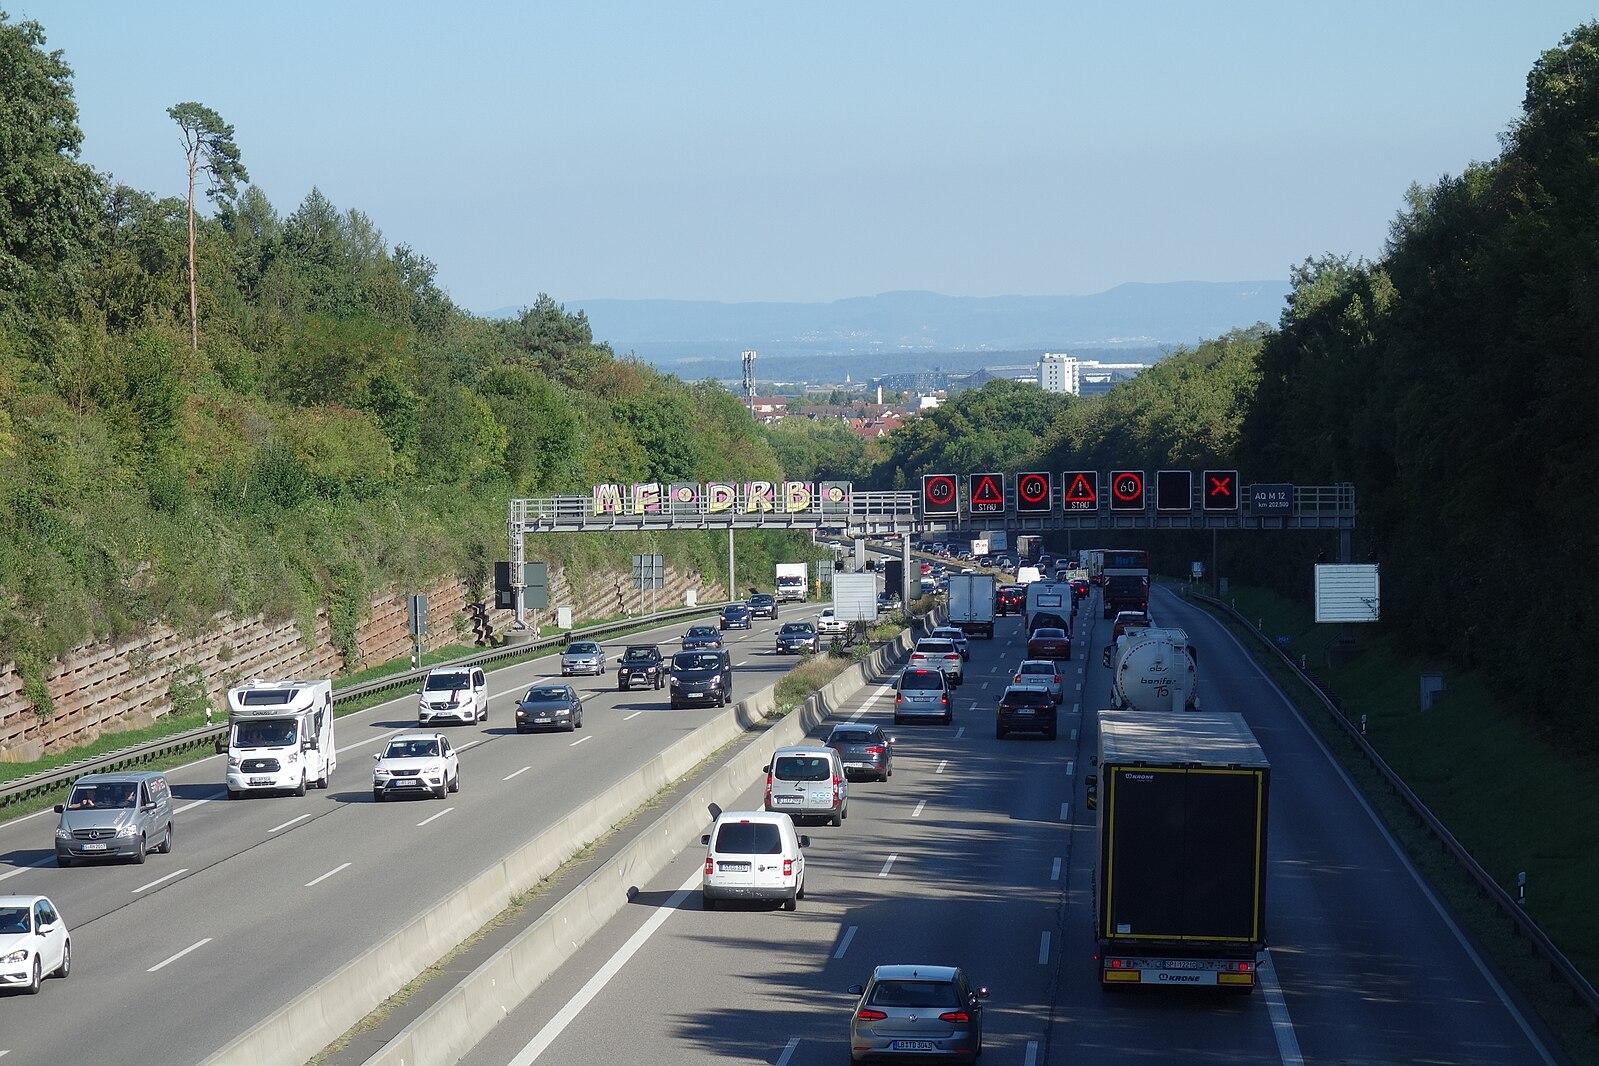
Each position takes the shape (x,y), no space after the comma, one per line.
(582,657)
(549,707)
(922,692)
(115,816)
(917,1012)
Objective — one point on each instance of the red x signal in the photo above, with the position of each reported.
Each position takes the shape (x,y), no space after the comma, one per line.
(1221,490)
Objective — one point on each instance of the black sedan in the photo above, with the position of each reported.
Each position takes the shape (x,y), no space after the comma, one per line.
(798,637)
(700,678)
(549,707)
(864,749)
(737,616)
(702,637)
(641,663)
(763,605)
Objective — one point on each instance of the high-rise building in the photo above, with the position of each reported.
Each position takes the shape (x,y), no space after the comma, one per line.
(1058,372)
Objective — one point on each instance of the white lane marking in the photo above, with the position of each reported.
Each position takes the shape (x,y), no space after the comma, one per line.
(741,662)
(1074,732)
(961,732)
(318,880)
(1404,860)
(580,740)
(170,959)
(5,1051)
(470,744)
(291,821)
(158,880)
(1071,767)
(1079,686)
(1031,1058)
(888,865)
(192,806)
(917,813)
(515,773)
(1282,1026)
(1065,812)
(843,944)
(585,995)
(368,740)
(788,1051)
(1043,947)
(1054,870)
(1077,708)
(24,869)
(431,817)
(941,764)
(632,716)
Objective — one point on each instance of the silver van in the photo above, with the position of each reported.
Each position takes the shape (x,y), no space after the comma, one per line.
(807,781)
(115,815)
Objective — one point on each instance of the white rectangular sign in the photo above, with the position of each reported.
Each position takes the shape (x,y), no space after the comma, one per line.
(855,597)
(1346,592)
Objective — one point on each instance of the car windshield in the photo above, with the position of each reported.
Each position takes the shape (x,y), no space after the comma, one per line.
(15,920)
(797,629)
(749,838)
(273,733)
(761,598)
(446,682)
(935,646)
(412,749)
(545,693)
(695,660)
(582,647)
(702,631)
(1037,668)
(950,634)
(914,994)
(1049,634)
(112,795)
(634,654)
(855,736)
(1026,697)
(735,611)
(921,680)
(803,768)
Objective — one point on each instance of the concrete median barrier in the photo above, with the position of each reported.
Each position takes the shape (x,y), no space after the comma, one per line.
(327,1009)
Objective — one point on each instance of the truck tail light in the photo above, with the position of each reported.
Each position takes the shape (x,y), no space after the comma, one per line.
(788,867)
(710,867)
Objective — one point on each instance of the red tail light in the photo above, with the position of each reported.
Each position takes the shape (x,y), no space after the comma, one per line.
(875,749)
(899,698)
(867,1014)
(788,867)
(954,1016)
(944,698)
(1018,677)
(952,657)
(768,790)
(710,867)
(836,785)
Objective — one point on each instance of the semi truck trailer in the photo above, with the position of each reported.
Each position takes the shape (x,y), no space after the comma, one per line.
(1153,670)
(1180,877)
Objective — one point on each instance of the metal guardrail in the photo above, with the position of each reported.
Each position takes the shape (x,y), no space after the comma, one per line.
(204,736)
(1559,965)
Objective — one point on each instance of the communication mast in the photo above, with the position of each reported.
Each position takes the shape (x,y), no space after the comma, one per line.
(749,380)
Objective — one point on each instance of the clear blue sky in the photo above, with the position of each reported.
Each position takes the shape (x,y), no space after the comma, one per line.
(738,151)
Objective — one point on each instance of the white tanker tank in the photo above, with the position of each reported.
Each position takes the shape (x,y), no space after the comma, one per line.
(1153,670)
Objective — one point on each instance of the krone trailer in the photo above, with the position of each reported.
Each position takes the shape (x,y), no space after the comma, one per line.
(1153,670)
(1180,877)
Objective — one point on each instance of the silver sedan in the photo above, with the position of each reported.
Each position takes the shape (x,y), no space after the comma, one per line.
(582,657)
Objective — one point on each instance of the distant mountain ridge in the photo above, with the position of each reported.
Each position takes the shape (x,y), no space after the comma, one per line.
(1138,314)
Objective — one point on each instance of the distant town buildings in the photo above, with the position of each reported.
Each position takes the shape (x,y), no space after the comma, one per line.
(1058,372)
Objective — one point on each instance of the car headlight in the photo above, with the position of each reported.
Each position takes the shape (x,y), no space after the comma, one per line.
(63,834)
(233,762)
(563,710)
(520,713)
(379,773)
(17,956)
(716,682)
(674,682)
(127,830)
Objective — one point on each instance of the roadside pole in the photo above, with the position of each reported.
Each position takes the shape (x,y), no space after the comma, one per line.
(732,581)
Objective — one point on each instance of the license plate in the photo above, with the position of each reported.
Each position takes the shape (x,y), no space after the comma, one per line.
(857,766)
(913,1045)
(94,847)
(260,780)
(786,799)
(409,782)
(541,721)
(1024,712)
(733,867)
(696,695)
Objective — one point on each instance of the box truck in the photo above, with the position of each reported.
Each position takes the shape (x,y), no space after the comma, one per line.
(1180,875)
(1049,603)
(971,603)
(791,582)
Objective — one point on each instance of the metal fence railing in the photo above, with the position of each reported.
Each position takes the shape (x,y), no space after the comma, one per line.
(1559,965)
(205,736)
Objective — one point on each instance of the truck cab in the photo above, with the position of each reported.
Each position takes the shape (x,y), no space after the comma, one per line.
(280,737)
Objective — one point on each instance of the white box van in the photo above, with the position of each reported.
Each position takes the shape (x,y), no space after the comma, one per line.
(753,855)
(280,737)
(807,781)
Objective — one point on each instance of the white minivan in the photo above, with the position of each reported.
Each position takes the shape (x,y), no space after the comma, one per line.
(807,781)
(753,855)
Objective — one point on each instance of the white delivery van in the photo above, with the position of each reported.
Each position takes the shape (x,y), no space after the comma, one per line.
(753,855)
(280,737)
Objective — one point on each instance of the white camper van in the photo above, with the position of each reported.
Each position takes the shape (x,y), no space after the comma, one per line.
(280,737)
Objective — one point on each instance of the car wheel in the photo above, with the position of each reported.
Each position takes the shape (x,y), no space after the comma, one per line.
(441,791)
(791,903)
(38,979)
(800,892)
(166,842)
(300,790)
(571,724)
(621,686)
(65,969)
(520,730)
(377,795)
(139,856)
(233,794)
(707,903)
(836,819)
(580,721)
(455,782)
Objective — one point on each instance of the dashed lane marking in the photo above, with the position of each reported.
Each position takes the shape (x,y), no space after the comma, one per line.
(318,880)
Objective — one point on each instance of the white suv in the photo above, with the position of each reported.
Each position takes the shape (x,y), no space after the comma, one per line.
(453,694)
(414,763)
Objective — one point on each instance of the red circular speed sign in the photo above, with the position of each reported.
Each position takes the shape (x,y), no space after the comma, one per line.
(938,492)
(1033,488)
(1127,486)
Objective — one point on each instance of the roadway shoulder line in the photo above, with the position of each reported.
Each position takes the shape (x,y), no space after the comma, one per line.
(170,959)
(585,995)
(434,817)
(843,943)
(318,880)
(158,880)
(1282,1026)
(291,821)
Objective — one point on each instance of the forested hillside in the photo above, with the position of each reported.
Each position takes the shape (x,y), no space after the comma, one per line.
(1454,381)
(339,427)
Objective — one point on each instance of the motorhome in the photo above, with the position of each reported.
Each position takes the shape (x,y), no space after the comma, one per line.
(280,737)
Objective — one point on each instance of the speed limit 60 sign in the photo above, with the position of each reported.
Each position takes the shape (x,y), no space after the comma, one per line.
(1127,490)
(938,494)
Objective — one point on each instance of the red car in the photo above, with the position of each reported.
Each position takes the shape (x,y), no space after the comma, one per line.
(1080,588)
(1010,599)
(1046,643)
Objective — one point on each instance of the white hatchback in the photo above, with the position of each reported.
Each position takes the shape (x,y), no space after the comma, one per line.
(34,943)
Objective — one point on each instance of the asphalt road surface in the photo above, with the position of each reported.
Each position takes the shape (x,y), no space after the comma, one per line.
(978,853)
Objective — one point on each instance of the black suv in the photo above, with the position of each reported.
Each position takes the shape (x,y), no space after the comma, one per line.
(763,605)
(1024,709)
(641,662)
(702,677)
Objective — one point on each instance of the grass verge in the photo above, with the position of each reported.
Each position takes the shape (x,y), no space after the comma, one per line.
(1506,793)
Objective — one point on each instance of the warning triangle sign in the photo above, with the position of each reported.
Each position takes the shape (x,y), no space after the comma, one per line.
(1081,490)
(987,491)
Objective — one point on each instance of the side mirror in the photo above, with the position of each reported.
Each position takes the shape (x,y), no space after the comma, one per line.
(148,807)
(856,990)
(1092,782)
(705,838)
(766,769)
(892,740)
(47,927)
(376,756)
(61,808)
(805,841)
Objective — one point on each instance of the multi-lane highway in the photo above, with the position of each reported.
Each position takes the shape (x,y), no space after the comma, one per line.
(264,896)
(978,853)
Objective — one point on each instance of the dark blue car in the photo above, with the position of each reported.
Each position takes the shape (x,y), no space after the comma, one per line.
(737,616)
